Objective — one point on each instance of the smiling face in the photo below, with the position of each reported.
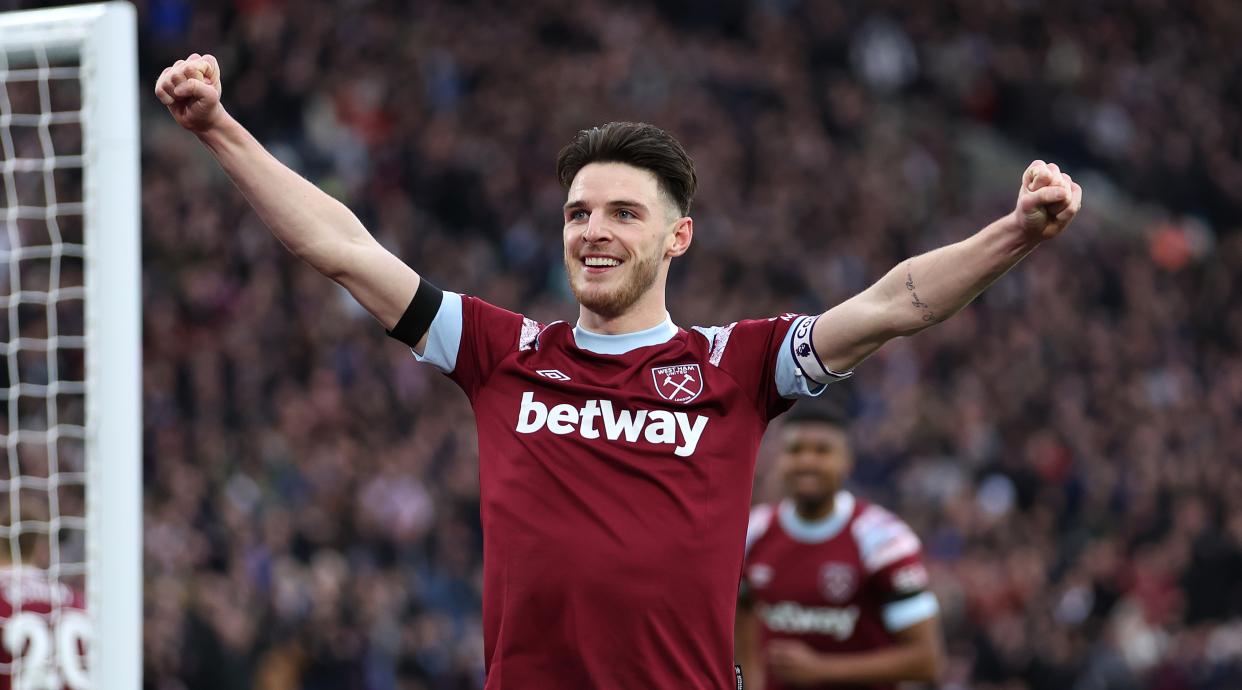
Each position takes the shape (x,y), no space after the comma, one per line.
(620,234)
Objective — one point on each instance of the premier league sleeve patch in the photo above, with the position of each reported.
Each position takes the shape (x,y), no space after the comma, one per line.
(805,356)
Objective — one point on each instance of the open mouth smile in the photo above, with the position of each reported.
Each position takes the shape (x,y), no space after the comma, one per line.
(600,264)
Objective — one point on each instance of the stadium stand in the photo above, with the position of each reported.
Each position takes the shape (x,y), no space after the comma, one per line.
(1068,448)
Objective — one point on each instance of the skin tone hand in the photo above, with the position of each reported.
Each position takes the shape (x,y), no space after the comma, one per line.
(794,662)
(317,228)
(191,90)
(1047,201)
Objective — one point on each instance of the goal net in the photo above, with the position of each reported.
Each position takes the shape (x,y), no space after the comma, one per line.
(70,415)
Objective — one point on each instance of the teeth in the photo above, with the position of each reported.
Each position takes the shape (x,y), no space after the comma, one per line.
(601,261)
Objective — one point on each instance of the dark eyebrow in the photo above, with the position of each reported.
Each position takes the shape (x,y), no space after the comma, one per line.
(617,203)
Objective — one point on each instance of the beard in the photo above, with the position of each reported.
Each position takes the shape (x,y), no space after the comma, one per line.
(811,497)
(613,301)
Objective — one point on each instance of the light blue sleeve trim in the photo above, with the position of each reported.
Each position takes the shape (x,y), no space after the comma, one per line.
(444,336)
(900,615)
(790,381)
(708,332)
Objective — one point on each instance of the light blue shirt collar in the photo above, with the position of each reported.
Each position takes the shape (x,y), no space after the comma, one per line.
(620,344)
(820,530)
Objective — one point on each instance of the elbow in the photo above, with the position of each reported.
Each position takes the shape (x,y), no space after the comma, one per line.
(907,325)
(913,321)
(899,318)
(331,259)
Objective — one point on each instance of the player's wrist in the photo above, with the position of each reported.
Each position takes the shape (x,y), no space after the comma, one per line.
(220,130)
(1012,237)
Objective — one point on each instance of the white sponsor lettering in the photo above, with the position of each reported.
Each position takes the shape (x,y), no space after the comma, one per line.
(677,429)
(32,589)
(789,617)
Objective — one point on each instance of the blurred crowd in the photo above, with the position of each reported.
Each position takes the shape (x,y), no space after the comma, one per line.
(1067,447)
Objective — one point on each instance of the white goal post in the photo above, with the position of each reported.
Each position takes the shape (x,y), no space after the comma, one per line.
(70,276)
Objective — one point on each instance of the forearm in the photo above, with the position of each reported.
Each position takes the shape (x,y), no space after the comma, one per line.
(929,288)
(891,665)
(917,293)
(746,649)
(310,223)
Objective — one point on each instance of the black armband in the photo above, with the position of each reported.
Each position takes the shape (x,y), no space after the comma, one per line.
(416,320)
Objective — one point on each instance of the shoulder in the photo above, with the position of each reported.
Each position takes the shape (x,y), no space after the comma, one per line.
(761,518)
(744,335)
(478,309)
(882,537)
(509,329)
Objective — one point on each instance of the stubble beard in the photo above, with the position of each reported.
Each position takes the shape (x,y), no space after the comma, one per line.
(613,302)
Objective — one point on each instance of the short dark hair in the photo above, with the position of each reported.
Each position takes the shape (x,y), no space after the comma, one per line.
(634,143)
(821,410)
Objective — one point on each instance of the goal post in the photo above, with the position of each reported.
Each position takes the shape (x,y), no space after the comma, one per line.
(71,300)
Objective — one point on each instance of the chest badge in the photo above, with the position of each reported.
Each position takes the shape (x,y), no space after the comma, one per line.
(679,383)
(837,582)
(760,575)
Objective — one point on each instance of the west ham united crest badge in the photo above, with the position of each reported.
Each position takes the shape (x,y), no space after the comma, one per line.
(837,581)
(679,383)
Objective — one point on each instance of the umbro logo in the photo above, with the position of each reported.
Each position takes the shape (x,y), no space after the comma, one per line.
(554,374)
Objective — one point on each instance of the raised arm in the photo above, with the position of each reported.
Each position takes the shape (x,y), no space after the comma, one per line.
(317,228)
(929,288)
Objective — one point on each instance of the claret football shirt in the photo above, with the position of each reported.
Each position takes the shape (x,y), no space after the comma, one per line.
(615,477)
(847,583)
(44,632)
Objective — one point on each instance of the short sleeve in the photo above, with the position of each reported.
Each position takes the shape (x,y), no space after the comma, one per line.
(468,338)
(444,335)
(757,526)
(759,355)
(893,558)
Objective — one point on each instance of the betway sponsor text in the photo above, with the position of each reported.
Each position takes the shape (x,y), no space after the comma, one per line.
(600,419)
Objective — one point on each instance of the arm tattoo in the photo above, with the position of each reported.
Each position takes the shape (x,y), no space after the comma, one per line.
(919,304)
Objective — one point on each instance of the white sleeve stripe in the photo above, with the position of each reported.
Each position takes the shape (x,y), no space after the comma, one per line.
(891,551)
(718,345)
(444,335)
(900,615)
(757,526)
(529,336)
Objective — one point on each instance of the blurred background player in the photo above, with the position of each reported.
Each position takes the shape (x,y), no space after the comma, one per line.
(834,592)
(43,624)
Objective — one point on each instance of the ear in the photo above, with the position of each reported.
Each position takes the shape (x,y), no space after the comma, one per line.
(681,236)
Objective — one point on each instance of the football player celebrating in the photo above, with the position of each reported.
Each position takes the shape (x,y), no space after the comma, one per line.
(615,454)
(834,592)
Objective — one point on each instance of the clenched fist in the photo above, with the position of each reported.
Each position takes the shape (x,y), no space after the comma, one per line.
(191,90)
(1048,200)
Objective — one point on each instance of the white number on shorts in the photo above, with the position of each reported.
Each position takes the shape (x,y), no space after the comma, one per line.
(36,665)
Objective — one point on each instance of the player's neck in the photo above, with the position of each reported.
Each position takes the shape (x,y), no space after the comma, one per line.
(646,313)
(814,511)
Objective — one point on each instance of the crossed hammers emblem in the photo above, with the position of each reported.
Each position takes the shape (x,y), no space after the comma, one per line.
(679,388)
